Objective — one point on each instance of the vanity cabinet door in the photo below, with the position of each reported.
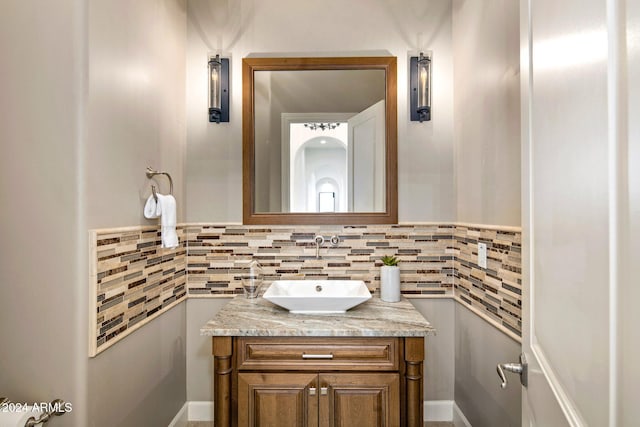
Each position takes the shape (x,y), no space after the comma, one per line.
(277,400)
(359,400)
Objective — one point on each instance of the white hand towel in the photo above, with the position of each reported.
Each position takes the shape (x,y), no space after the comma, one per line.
(168,221)
(152,208)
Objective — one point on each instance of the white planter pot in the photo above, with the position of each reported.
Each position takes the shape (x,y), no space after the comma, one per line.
(390,283)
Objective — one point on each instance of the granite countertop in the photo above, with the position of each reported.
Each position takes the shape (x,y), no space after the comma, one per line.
(374,318)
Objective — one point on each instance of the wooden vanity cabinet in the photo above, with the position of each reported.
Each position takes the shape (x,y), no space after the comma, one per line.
(318,381)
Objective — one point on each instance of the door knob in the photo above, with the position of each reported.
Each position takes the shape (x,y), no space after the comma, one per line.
(516,368)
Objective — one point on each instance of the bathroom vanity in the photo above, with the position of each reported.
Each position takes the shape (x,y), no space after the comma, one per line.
(360,368)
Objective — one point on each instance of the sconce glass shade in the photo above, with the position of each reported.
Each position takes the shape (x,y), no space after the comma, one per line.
(218,89)
(215,69)
(420,85)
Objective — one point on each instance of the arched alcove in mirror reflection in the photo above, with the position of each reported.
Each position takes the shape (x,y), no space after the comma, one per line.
(318,164)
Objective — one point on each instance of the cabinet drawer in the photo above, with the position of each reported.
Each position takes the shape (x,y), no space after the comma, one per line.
(328,353)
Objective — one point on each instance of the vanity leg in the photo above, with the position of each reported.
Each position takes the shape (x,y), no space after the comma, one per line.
(414,357)
(222,351)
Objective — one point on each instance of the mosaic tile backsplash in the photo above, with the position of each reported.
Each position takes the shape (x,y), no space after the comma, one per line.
(217,254)
(136,280)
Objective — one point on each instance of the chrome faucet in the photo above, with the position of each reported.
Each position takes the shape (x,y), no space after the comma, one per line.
(319,241)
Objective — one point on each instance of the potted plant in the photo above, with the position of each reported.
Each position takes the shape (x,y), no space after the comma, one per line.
(390,279)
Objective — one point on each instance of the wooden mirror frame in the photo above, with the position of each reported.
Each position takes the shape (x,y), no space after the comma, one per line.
(386,63)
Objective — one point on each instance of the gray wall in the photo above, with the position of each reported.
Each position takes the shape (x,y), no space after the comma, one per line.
(425,151)
(42,304)
(487,164)
(140,381)
(135,118)
(479,347)
(199,357)
(486,69)
(93,92)
(135,111)
(439,348)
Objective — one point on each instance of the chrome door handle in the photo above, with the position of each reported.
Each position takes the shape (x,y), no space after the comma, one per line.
(312,391)
(516,368)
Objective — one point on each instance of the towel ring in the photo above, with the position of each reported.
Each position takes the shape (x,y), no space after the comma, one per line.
(151,173)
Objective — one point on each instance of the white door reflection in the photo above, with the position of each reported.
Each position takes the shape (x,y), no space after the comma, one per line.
(326,200)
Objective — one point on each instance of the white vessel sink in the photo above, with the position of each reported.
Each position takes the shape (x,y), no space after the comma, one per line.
(317,296)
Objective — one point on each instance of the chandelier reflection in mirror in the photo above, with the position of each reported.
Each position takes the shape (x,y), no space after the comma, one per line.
(321,126)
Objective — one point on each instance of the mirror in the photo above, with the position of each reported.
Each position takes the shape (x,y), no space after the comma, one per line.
(319,140)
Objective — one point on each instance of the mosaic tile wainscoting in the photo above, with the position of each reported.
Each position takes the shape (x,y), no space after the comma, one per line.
(133,280)
(496,291)
(217,254)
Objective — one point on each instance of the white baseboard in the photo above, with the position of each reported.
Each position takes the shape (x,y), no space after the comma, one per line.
(200,411)
(193,411)
(182,417)
(459,420)
(434,410)
(438,410)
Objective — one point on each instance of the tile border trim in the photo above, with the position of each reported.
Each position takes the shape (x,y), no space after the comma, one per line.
(488,319)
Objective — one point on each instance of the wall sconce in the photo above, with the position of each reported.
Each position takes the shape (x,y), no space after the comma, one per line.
(218,89)
(420,86)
